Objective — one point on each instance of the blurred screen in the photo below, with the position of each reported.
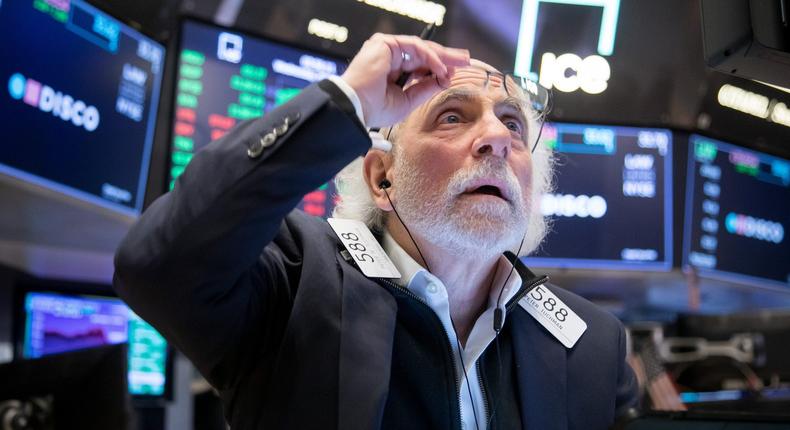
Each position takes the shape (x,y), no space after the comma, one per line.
(79,101)
(612,206)
(737,213)
(56,323)
(225,77)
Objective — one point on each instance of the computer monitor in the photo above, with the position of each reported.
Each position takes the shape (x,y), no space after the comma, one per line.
(226,76)
(83,389)
(78,101)
(59,322)
(737,214)
(612,206)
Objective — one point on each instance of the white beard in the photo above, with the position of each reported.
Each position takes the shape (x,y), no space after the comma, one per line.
(460,224)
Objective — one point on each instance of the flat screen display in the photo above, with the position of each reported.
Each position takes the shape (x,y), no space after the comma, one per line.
(612,206)
(78,102)
(56,323)
(737,213)
(225,77)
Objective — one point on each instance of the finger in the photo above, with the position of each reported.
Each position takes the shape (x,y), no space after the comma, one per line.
(450,56)
(393,75)
(421,91)
(420,72)
(420,55)
(429,56)
(418,76)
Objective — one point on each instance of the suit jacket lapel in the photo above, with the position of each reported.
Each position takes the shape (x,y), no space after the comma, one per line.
(367,326)
(541,374)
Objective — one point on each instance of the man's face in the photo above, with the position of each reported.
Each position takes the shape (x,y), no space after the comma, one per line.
(463,165)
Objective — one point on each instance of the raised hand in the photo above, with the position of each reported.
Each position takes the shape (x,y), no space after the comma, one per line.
(375,69)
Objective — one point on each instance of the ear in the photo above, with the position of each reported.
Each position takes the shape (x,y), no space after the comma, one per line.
(375,167)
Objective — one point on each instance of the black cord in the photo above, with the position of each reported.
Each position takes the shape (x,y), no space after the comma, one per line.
(458,342)
(540,132)
(498,315)
(499,376)
(389,131)
(466,376)
(545,113)
(407,229)
(498,323)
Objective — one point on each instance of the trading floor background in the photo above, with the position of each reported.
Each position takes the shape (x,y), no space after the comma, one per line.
(670,124)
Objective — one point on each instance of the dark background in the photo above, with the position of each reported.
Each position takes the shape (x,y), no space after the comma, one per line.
(658,79)
(658,74)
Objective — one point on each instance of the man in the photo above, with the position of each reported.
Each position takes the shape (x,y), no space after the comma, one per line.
(279,315)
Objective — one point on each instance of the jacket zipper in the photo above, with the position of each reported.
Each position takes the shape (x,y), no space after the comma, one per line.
(446,337)
(534,283)
(482,388)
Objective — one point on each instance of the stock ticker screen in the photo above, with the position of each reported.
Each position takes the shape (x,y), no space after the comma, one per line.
(612,206)
(79,100)
(225,77)
(737,213)
(56,323)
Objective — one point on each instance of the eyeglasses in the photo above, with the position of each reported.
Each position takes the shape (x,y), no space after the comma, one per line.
(537,98)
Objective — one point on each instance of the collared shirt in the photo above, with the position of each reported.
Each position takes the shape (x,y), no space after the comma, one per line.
(433,292)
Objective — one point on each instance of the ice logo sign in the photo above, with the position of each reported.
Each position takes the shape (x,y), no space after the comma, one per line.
(49,100)
(567,71)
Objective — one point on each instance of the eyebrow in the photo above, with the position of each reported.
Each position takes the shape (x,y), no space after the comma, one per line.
(516,104)
(466,95)
(457,94)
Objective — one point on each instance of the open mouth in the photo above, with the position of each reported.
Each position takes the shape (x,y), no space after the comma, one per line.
(489,190)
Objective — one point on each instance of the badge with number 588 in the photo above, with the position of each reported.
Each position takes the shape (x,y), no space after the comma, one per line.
(560,320)
(363,248)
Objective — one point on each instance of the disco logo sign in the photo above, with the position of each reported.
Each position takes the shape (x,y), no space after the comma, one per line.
(754,228)
(48,100)
(568,205)
(566,71)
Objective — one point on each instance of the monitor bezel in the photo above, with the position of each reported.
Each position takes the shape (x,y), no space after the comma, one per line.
(667,264)
(145,165)
(80,290)
(719,275)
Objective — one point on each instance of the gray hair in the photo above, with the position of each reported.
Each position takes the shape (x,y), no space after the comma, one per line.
(356,201)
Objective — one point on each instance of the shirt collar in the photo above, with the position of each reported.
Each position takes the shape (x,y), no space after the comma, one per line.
(414,276)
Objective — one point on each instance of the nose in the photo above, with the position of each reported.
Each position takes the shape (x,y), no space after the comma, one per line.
(494,137)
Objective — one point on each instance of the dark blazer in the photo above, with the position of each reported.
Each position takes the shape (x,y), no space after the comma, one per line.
(290,334)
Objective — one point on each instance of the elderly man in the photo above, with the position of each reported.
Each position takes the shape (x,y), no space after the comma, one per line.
(295,323)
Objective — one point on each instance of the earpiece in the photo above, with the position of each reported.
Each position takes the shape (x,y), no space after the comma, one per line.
(379,142)
(384,184)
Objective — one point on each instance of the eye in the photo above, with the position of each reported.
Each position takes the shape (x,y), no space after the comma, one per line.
(450,118)
(513,125)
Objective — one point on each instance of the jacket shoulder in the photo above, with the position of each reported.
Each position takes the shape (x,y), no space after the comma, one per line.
(301,234)
(591,313)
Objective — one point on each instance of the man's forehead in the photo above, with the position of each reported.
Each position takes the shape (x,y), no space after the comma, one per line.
(468,83)
(478,74)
